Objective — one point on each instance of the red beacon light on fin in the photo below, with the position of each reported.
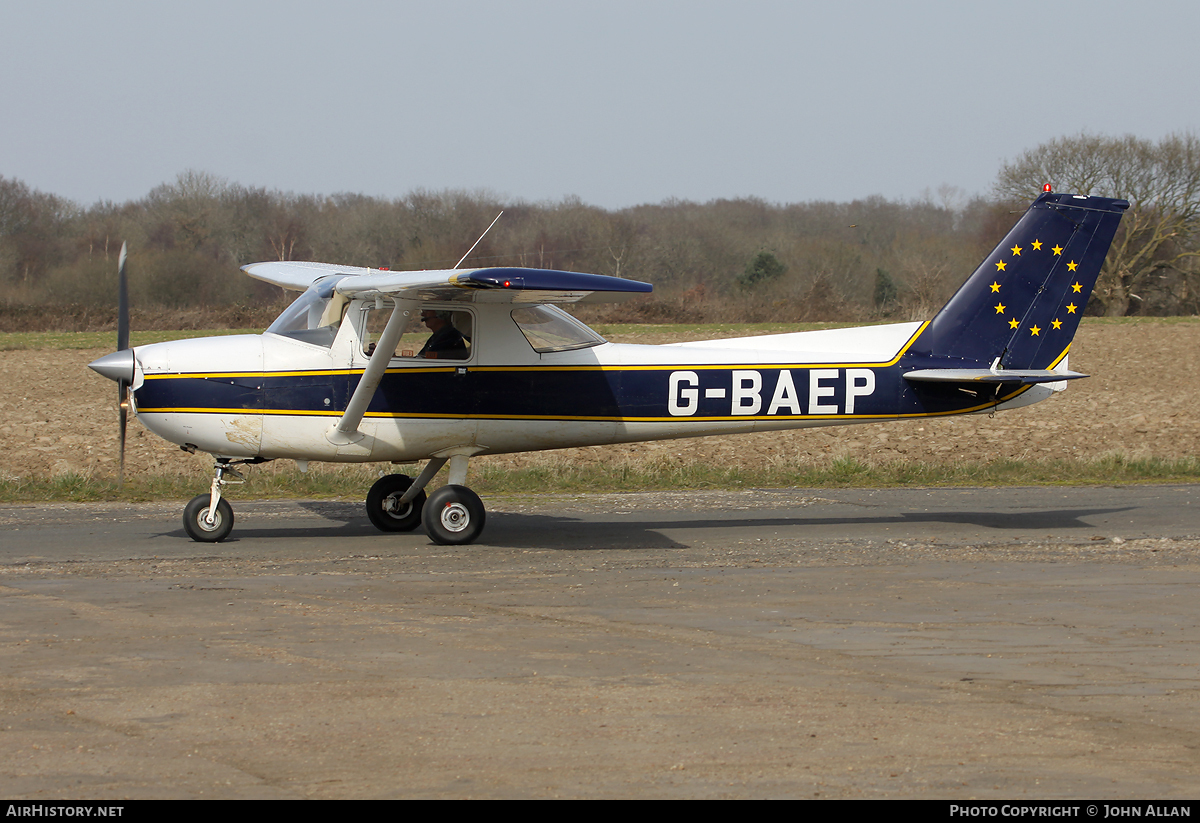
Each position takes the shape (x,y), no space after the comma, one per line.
(1047,187)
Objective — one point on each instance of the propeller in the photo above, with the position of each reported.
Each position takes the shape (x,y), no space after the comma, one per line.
(122,344)
(119,365)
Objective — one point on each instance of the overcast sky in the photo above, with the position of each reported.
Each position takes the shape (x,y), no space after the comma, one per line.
(617,102)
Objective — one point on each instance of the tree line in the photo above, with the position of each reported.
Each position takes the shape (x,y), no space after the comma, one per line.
(726,260)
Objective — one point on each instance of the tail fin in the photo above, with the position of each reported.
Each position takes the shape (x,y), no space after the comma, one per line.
(1021,307)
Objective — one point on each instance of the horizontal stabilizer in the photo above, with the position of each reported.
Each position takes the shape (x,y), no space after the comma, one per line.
(1025,377)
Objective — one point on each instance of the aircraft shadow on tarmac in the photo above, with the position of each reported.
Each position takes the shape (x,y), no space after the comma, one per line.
(636,531)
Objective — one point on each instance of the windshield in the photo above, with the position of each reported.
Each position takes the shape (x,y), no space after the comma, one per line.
(549,328)
(314,317)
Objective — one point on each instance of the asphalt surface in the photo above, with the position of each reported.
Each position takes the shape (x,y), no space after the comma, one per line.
(956,643)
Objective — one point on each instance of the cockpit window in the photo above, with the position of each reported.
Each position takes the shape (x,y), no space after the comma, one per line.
(431,333)
(550,329)
(315,315)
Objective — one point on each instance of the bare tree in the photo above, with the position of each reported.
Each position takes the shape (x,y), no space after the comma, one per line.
(927,278)
(189,212)
(1161,231)
(34,230)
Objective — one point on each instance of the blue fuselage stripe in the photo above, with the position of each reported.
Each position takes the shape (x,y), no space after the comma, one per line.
(672,393)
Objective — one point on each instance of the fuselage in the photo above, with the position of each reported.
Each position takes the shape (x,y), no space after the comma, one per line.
(278,395)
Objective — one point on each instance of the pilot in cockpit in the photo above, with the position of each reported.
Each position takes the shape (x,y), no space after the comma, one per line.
(446,342)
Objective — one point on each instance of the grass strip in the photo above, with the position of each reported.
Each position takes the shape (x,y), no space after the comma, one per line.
(553,474)
(67,340)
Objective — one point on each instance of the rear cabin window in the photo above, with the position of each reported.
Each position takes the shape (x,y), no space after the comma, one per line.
(550,329)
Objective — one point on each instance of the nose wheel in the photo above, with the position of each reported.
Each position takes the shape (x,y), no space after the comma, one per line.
(204,524)
(208,518)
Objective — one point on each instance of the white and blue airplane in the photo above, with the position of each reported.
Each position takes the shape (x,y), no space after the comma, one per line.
(340,377)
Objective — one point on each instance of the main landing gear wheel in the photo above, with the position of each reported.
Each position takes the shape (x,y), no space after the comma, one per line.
(453,516)
(384,508)
(195,520)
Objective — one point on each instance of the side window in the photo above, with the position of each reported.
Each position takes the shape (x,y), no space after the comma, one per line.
(432,333)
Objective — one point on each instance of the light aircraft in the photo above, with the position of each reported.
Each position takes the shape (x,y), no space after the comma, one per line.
(341,377)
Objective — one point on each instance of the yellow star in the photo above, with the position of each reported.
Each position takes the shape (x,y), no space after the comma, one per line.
(1000,265)
(995,287)
(1035,331)
(1056,324)
(1037,245)
(1075,287)
(1070,308)
(999,308)
(1012,324)
(1057,250)
(1016,250)
(1072,266)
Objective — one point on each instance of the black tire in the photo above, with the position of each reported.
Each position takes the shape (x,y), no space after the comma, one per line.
(453,516)
(384,494)
(194,523)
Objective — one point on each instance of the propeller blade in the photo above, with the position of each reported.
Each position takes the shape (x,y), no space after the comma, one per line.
(123,407)
(122,344)
(122,303)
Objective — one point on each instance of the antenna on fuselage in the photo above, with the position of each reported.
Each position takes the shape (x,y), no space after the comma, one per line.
(477,242)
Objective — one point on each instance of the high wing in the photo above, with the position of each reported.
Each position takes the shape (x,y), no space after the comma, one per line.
(296,276)
(490,285)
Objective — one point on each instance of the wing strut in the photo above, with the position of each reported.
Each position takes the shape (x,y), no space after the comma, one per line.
(345,431)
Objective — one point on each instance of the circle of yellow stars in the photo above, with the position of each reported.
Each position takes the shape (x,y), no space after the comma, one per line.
(1076,287)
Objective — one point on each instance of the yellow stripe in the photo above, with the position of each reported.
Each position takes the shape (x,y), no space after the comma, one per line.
(300,373)
(206,375)
(252,412)
(1059,359)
